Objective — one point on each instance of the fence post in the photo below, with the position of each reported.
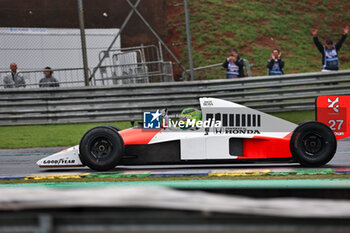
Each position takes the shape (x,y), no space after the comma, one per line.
(248,66)
(83,41)
(189,46)
(160,51)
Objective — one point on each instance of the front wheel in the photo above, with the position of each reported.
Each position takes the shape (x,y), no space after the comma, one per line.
(313,144)
(101,148)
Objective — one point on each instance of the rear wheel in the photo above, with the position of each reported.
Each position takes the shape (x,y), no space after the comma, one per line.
(101,148)
(313,144)
(113,127)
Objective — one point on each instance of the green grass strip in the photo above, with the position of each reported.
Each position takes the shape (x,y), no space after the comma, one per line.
(278,173)
(118,179)
(203,184)
(48,135)
(308,171)
(118,175)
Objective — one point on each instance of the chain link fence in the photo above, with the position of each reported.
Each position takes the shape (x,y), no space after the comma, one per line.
(134,73)
(36,48)
(33,49)
(68,77)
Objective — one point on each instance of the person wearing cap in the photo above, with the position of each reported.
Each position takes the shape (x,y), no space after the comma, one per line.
(48,80)
(329,51)
(234,65)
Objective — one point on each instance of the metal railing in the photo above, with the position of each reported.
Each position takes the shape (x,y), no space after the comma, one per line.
(140,64)
(68,77)
(142,72)
(147,52)
(121,56)
(247,68)
(127,102)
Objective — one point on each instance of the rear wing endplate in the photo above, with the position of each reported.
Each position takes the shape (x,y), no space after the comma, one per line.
(334,111)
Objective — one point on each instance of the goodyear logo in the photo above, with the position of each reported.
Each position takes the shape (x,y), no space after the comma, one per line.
(59,161)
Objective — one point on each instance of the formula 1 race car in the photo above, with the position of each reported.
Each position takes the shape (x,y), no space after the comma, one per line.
(226,133)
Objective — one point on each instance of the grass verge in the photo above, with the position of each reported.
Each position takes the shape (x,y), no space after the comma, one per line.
(47,135)
(296,117)
(249,26)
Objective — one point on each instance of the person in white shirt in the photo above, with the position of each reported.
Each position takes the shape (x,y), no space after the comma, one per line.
(14,79)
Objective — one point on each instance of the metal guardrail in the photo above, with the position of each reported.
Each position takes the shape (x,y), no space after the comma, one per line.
(127,102)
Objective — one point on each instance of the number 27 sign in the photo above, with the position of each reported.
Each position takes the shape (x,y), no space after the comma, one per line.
(333,111)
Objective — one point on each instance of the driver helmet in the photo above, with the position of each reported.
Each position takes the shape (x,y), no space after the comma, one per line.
(190,113)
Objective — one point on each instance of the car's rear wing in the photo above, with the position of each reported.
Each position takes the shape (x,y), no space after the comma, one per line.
(334,111)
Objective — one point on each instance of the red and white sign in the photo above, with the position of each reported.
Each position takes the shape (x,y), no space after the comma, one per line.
(334,111)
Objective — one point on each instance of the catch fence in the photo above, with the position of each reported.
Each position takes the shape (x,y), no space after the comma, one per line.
(145,72)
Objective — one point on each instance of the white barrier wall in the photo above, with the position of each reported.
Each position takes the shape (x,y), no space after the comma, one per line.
(35,48)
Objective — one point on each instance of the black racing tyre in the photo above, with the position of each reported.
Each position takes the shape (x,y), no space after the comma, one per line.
(313,144)
(303,122)
(101,148)
(113,127)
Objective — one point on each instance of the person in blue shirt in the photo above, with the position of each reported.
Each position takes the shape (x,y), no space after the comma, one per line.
(275,64)
(234,65)
(329,51)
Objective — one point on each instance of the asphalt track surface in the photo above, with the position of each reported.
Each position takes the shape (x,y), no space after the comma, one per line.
(23,161)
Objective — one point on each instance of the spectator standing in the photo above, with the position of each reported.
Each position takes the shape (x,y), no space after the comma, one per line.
(234,65)
(48,80)
(329,51)
(13,78)
(275,64)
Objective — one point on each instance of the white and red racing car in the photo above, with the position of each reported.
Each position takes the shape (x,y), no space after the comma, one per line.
(244,135)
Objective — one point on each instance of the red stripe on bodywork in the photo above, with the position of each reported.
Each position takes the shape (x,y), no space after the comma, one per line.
(139,136)
(288,136)
(266,147)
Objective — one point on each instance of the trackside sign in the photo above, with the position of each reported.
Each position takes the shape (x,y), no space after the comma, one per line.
(334,111)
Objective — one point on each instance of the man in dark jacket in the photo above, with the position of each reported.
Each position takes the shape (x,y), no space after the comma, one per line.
(48,80)
(275,64)
(234,65)
(329,51)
